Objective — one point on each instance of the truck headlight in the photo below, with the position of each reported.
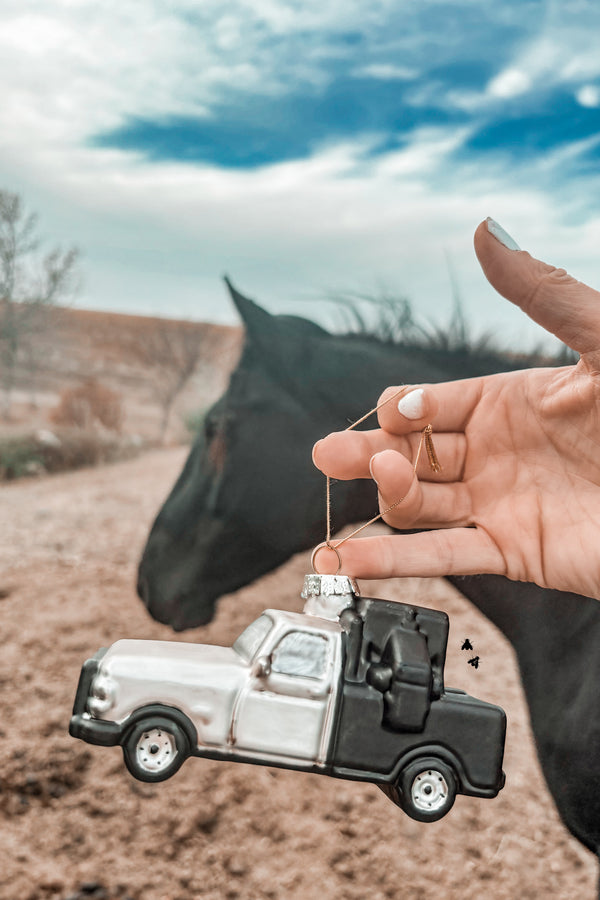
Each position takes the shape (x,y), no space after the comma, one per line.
(103,692)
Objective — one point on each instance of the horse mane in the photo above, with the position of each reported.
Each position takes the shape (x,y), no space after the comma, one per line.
(391,320)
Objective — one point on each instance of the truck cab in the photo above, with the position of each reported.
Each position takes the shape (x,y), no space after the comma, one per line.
(285,707)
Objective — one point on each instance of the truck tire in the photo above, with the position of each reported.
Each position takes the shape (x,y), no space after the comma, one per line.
(155,748)
(427,789)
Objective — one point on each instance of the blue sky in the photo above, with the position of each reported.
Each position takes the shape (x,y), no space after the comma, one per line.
(303,147)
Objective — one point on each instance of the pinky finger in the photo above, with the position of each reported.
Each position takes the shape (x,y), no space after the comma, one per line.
(451,551)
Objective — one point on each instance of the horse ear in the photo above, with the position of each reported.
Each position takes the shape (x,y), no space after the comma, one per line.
(255,318)
(262,326)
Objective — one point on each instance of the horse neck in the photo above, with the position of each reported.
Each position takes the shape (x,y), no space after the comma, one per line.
(539,623)
(355,371)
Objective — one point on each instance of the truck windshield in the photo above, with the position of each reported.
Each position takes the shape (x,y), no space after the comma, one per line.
(252,637)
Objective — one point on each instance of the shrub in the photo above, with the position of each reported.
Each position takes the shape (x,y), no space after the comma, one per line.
(87,405)
(73,448)
(19,457)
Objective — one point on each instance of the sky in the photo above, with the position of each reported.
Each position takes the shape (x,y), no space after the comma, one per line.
(304,148)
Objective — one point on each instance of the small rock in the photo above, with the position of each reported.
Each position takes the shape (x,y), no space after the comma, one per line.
(237,867)
(207,819)
(47,438)
(93,888)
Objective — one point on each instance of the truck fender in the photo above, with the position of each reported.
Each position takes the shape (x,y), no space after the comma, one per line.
(429,750)
(168,712)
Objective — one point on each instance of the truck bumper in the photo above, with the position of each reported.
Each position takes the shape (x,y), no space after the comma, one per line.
(82,725)
(95,731)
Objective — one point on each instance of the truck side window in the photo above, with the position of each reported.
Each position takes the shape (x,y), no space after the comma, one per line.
(252,637)
(300,653)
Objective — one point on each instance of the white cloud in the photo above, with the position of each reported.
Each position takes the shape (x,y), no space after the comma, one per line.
(35,34)
(425,154)
(69,69)
(588,95)
(562,51)
(509,83)
(386,72)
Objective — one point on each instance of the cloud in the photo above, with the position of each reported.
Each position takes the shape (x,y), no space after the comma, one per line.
(386,72)
(588,95)
(299,145)
(509,83)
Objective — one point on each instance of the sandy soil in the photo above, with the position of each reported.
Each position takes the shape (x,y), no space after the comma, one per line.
(74,824)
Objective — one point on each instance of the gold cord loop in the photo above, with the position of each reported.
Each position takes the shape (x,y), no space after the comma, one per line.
(329,546)
(434,463)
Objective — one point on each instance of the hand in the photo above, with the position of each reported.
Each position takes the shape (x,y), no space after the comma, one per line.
(519,492)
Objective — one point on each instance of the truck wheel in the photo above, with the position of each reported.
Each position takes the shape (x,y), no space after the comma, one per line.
(155,749)
(427,789)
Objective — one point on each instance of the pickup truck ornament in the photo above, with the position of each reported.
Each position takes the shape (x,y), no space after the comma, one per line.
(352,688)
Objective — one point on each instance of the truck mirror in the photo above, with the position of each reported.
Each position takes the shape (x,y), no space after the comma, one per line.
(261,667)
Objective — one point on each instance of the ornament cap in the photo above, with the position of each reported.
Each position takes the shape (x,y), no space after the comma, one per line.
(328,595)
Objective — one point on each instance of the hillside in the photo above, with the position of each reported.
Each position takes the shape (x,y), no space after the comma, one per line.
(117,351)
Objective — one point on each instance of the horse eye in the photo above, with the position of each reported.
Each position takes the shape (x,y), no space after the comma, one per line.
(210,428)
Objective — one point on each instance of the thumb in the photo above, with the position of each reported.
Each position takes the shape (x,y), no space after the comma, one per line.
(552,298)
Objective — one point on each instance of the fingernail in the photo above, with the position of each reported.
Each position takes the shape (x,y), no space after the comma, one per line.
(313,451)
(412,405)
(501,235)
(373,458)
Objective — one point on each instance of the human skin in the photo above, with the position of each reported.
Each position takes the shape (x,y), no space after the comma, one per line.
(519,491)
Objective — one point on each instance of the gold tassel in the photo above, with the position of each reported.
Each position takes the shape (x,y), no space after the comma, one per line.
(434,462)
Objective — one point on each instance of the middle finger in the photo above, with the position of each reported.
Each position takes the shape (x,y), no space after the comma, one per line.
(347,454)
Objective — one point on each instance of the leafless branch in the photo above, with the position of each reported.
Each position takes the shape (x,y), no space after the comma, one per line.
(172,352)
(28,284)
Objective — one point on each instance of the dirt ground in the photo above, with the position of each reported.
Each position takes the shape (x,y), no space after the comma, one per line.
(75,824)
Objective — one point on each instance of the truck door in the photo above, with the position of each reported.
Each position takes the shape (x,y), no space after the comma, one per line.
(284,713)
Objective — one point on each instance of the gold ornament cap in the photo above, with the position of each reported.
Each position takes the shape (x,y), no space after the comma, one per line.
(328,595)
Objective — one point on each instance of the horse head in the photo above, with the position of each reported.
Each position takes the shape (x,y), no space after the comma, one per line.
(249,497)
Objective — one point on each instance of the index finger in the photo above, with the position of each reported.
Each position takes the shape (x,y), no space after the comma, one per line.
(453,402)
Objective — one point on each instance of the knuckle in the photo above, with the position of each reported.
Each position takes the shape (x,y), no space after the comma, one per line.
(545,284)
(444,550)
(404,508)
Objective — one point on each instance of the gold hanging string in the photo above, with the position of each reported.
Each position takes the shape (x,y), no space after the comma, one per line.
(426,440)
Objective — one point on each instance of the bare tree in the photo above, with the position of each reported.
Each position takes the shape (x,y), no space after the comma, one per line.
(171,351)
(30,282)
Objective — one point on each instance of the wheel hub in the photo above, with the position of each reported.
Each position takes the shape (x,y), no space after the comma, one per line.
(429,790)
(155,750)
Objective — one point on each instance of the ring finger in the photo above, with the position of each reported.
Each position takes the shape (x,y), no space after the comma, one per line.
(406,502)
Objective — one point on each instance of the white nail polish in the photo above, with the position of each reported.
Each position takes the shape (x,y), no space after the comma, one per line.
(412,405)
(501,235)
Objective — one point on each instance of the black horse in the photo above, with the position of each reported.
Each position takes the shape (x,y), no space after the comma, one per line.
(249,498)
